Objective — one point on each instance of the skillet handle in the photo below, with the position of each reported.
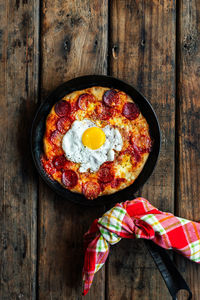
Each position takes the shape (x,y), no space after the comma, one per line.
(173,279)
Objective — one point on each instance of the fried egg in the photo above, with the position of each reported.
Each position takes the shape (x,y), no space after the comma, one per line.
(90,146)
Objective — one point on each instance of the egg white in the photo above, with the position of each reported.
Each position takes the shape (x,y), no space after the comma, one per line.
(90,159)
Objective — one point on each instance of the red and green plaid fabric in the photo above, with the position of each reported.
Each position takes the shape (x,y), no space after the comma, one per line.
(137,219)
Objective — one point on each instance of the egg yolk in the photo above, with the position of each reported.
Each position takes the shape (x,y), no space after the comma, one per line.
(93,138)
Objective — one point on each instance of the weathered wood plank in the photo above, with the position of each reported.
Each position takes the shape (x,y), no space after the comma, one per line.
(18,179)
(188,112)
(143,53)
(74,42)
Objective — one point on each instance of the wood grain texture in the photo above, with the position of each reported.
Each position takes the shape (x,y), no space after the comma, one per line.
(18,183)
(143,53)
(188,134)
(74,42)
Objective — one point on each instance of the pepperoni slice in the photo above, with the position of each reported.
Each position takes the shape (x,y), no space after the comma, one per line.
(102,186)
(91,190)
(105,175)
(136,153)
(110,98)
(63,124)
(130,111)
(59,162)
(56,138)
(69,178)
(62,108)
(133,151)
(143,143)
(84,100)
(104,113)
(48,166)
(117,182)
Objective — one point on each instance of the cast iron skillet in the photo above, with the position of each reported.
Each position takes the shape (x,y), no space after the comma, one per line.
(79,83)
(170,274)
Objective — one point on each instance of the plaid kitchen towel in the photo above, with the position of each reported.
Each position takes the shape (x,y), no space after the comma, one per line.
(137,219)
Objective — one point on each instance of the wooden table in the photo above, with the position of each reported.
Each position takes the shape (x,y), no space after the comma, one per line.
(155,46)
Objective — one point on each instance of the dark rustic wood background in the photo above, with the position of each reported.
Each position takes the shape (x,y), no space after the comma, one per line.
(155,46)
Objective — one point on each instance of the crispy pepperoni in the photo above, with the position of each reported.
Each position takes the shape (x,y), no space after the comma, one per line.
(73,110)
(69,178)
(48,166)
(59,162)
(104,113)
(91,190)
(133,151)
(56,138)
(62,108)
(102,186)
(148,146)
(105,175)
(63,124)
(116,182)
(142,142)
(130,111)
(84,100)
(108,164)
(136,153)
(110,98)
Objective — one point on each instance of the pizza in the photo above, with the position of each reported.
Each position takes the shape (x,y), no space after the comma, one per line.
(96,141)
